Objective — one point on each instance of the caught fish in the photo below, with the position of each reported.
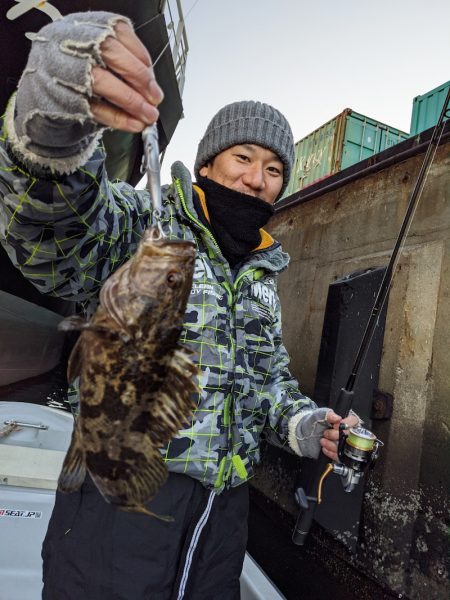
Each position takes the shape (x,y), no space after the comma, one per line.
(136,380)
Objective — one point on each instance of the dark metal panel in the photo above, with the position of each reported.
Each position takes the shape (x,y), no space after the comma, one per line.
(30,343)
(33,354)
(311,572)
(349,304)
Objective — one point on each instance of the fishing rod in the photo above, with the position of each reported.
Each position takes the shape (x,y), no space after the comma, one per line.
(358,448)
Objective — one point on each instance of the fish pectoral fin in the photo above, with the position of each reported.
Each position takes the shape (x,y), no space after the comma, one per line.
(73,470)
(77,323)
(73,323)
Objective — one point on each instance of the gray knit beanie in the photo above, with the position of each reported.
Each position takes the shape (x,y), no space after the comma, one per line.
(248,122)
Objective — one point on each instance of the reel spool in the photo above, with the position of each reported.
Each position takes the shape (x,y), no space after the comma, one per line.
(356,449)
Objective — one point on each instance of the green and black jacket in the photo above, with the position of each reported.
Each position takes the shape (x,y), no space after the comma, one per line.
(67,234)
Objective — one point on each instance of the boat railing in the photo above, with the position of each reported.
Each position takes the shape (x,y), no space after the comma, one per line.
(175,21)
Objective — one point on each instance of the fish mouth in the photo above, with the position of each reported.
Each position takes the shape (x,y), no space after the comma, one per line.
(161,255)
(179,246)
(165,247)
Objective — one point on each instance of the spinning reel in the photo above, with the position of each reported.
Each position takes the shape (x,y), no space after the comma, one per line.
(357,451)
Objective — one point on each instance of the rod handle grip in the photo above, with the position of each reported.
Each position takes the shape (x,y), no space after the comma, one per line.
(303,524)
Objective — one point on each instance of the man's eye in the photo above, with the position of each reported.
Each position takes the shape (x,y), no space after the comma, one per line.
(242,157)
(274,170)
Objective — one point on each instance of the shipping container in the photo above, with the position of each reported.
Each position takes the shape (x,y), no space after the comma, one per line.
(341,142)
(427,108)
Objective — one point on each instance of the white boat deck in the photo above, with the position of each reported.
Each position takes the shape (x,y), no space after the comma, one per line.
(30,463)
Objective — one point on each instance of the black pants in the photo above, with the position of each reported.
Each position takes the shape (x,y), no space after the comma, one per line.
(94,551)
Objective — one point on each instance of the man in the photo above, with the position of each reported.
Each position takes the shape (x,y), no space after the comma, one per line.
(67,228)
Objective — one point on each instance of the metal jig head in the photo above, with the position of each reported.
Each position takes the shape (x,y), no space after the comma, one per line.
(151,166)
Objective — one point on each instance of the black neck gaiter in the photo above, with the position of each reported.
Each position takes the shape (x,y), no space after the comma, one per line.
(235,219)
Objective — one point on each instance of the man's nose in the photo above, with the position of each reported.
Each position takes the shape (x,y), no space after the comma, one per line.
(254,177)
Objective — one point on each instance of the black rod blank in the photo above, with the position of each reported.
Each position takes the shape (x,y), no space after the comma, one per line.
(390,270)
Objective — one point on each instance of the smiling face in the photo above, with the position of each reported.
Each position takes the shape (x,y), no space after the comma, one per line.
(249,169)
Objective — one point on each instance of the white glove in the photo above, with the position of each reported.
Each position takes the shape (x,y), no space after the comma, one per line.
(52,122)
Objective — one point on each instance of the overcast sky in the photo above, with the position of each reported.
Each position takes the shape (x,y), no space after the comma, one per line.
(310,60)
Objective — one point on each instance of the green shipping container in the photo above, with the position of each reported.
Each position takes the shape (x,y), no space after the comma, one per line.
(338,144)
(427,108)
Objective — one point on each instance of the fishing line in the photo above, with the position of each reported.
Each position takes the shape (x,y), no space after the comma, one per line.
(151,162)
(172,33)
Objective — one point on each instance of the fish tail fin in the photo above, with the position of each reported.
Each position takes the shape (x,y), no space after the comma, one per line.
(134,483)
(73,470)
(146,482)
(143,510)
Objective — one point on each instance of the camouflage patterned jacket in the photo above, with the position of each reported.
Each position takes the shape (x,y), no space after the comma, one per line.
(67,234)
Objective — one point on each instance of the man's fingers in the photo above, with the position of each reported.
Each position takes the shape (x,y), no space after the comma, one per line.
(330,437)
(128,89)
(331,434)
(331,455)
(110,116)
(333,418)
(126,36)
(135,72)
(329,449)
(116,92)
(351,420)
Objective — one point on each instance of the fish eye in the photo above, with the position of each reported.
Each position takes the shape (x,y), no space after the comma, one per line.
(173,277)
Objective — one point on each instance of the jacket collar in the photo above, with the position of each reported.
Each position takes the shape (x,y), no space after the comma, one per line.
(268,255)
(266,239)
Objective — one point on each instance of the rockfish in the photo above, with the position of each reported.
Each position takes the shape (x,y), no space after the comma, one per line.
(136,381)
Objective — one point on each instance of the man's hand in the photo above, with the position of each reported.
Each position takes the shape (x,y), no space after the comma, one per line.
(330,438)
(127,92)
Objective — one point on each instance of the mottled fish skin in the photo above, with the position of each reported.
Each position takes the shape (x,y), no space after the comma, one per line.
(136,381)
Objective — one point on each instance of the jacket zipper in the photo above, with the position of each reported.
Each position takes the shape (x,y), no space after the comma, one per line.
(232,291)
(236,461)
(227,401)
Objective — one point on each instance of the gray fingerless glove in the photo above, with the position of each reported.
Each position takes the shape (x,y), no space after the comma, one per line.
(305,430)
(51,124)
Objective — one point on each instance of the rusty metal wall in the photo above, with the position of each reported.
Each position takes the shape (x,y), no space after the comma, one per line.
(403,542)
